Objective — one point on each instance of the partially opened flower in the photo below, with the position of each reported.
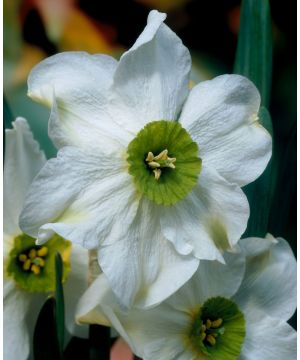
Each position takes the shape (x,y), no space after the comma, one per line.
(29,270)
(225,312)
(148,172)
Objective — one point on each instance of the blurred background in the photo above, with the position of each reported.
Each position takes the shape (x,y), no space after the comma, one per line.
(35,29)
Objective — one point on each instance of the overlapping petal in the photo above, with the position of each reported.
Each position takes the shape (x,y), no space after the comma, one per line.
(152,77)
(74,287)
(23,160)
(268,338)
(79,190)
(76,87)
(270,282)
(221,115)
(210,220)
(16,304)
(141,267)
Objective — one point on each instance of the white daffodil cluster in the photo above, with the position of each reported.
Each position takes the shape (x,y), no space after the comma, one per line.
(149,174)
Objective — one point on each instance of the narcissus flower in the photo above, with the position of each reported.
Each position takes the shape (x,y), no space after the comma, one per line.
(225,312)
(148,172)
(29,270)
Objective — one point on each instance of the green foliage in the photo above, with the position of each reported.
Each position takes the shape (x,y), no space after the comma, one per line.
(254,60)
(254,51)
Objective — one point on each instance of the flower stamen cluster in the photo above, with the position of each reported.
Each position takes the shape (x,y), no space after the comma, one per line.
(33,259)
(162,160)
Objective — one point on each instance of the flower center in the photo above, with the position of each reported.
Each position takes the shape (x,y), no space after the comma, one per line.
(33,259)
(164,162)
(210,330)
(217,330)
(32,267)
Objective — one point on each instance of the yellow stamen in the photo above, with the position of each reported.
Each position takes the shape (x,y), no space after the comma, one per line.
(157,173)
(32,253)
(208,323)
(26,265)
(22,257)
(150,156)
(154,164)
(160,161)
(210,339)
(35,269)
(216,323)
(39,261)
(162,156)
(43,251)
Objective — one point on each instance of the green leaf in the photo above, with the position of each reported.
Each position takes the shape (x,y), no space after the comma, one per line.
(99,339)
(254,51)
(60,305)
(260,192)
(45,341)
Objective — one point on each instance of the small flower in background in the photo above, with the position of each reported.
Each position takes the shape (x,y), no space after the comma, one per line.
(233,311)
(29,270)
(148,172)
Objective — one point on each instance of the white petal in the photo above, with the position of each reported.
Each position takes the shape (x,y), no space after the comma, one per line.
(268,339)
(210,280)
(74,288)
(76,86)
(143,267)
(221,115)
(142,328)
(23,160)
(211,219)
(99,305)
(152,77)
(84,197)
(16,342)
(270,282)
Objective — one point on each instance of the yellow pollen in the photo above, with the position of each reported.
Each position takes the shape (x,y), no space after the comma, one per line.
(26,265)
(35,269)
(216,323)
(32,254)
(211,340)
(208,323)
(43,251)
(39,261)
(211,330)
(22,257)
(157,173)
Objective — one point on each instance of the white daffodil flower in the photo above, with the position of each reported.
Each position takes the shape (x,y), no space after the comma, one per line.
(29,270)
(225,312)
(148,172)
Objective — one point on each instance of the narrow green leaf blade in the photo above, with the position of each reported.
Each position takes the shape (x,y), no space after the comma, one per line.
(60,305)
(254,51)
(45,341)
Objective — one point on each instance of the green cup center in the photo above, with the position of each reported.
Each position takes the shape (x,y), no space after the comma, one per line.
(164,162)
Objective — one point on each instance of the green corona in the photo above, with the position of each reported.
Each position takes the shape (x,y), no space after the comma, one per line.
(32,267)
(164,162)
(217,330)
